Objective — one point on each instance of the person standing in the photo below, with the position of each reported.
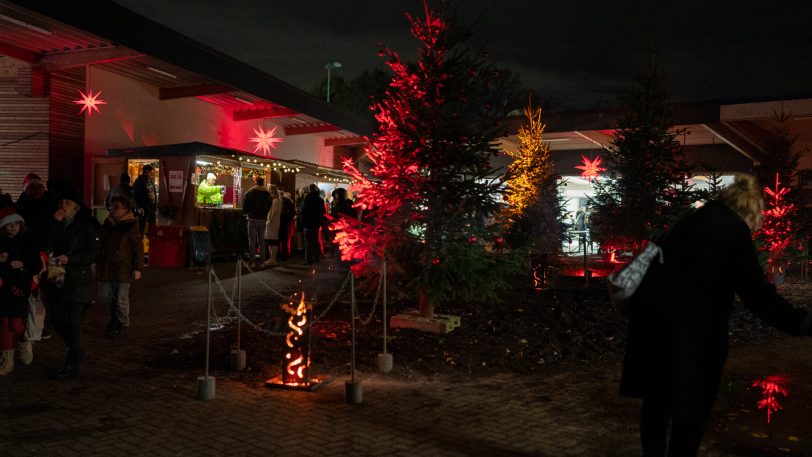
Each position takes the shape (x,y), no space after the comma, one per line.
(74,237)
(286,225)
(122,188)
(36,205)
(255,206)
(312,216)
(121,261)
(19,263)
(272,227)
(678,324)
(146,198)
(209,193)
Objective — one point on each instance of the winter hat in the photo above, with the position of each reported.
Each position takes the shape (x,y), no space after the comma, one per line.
(8,215)
(211,176)
(31,178)
(65,191)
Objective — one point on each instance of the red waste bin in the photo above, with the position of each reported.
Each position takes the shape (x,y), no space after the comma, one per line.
(167,245)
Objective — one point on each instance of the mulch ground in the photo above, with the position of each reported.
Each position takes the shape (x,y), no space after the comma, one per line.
(531,330)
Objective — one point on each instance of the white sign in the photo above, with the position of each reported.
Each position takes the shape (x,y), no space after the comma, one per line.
(175,181)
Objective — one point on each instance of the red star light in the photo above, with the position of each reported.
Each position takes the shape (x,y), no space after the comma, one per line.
(591,168)
(89,102)
(265,140)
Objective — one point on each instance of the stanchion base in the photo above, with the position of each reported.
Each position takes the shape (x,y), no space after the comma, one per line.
(237,360)
(384,361)
(205,387)
(315,383)
(353,393)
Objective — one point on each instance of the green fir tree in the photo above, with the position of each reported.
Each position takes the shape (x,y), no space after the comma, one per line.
(646,186)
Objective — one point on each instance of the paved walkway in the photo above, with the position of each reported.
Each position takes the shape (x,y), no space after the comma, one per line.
(123,405)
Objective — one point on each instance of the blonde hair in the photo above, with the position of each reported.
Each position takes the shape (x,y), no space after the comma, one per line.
(745,198)
(274,191)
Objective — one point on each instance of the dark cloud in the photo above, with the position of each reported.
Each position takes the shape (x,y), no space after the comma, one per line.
(579,52)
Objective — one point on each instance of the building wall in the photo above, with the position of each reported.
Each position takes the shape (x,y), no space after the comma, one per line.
(23,127)
(134,116)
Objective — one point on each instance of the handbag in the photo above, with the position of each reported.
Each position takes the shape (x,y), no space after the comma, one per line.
(624,283)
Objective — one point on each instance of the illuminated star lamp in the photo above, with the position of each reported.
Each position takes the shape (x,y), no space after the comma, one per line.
(89,102)
(265,140)
(590,168)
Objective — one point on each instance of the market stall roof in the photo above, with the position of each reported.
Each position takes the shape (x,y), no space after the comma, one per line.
(195,148)
(330,174)
(58,35)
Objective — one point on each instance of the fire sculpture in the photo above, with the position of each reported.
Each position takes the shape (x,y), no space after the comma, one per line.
(297,359)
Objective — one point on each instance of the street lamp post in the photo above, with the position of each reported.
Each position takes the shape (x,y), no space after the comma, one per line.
(329,67)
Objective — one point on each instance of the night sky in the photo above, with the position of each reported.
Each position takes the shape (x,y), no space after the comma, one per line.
(578,53)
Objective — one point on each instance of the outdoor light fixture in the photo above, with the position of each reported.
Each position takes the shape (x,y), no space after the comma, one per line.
(161,72)
(330,66)
(203,162)
(242,100)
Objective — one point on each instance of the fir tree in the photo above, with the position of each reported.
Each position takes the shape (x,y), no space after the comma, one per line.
(534,214)
(647,186)
(427,206)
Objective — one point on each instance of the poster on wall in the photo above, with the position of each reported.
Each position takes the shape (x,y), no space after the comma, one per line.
(175,181)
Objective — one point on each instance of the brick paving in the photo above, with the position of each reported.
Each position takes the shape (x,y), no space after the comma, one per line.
(122,405)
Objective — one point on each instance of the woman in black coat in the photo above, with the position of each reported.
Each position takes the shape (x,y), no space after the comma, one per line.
(678,327)
(74,239)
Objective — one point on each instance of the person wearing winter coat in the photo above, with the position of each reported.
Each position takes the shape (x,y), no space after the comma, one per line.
(255,206)
(123,188)
(145,195)
(19,263)
(312,218)
(286,225)
(121,261)
(36,205)
(678,324)
(74,238)
(272,227)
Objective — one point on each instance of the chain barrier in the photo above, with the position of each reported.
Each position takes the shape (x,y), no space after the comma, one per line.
(374,304)
(234,312)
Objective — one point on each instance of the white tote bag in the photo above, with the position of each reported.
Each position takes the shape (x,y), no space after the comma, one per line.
(624,283)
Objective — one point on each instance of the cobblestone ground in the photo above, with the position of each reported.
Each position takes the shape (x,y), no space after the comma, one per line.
(121,405)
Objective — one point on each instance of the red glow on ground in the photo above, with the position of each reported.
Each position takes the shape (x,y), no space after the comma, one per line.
(596,273)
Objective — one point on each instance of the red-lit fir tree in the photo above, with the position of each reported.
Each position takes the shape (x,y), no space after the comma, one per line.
(426,209)
(776,238)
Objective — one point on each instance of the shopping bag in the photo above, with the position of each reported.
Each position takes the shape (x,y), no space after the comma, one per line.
(624,283)
(36,317)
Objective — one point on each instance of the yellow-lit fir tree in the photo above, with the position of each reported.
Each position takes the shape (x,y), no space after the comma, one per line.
(531,165)
(534,212)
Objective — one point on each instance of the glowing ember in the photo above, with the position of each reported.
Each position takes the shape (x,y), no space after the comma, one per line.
(89,102)
(297,359)
(590,168)
(771,386)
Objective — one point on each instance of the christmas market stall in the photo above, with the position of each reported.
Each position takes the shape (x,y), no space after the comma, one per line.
(200,184)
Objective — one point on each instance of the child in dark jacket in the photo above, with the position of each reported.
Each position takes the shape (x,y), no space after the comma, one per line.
(19,262)
(122,257)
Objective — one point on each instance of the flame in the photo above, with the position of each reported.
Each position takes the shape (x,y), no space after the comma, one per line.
(297,363)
